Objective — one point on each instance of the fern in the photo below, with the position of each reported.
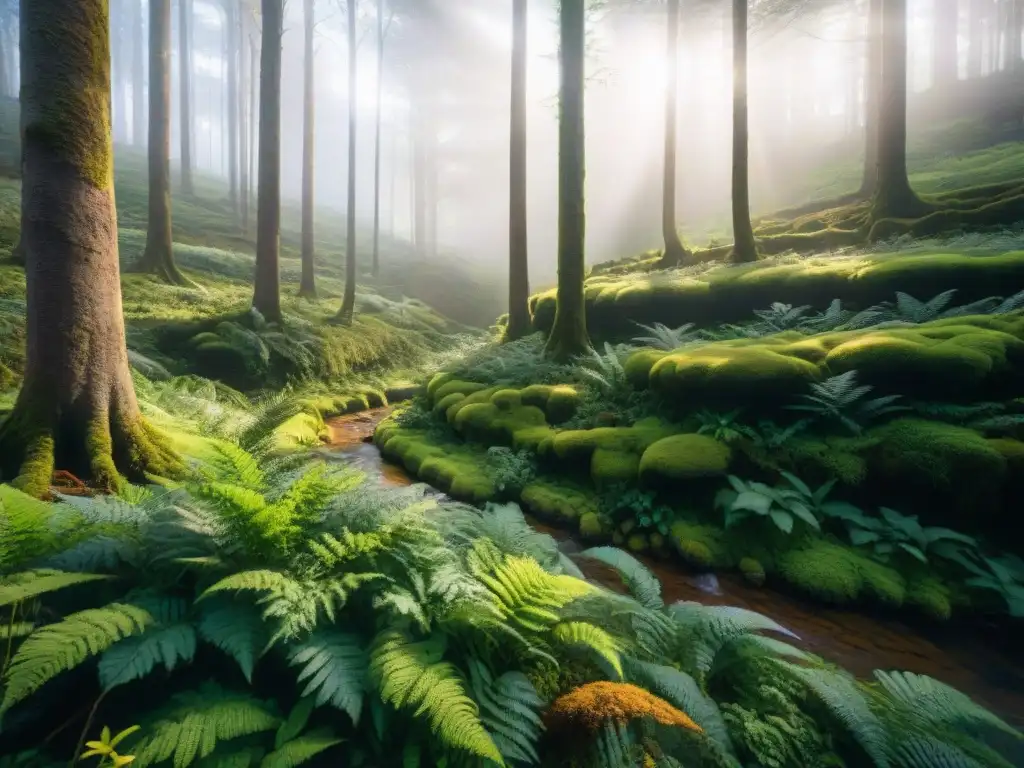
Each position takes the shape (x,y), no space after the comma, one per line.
(26,528)
(642,584)
(591,637)
(236,629)
(781,317)
(665,338)
(301,749)
(170,640)
(839,398)
(509,707)
(59,647)
(200,720)
(411,675)
(31,584)
(334,670)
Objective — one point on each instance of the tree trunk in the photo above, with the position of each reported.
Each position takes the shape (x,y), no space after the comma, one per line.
(419,178)
(244,74)
(267,294)
(231,12)
(254,75)
(674,254)
(185,94)
(307,287)
(518,262)
(945,54)
(158,258)
(568,336)
(744,248)
(894,199)
(872,97)
(975,38)
(376,140)
(138,75)
(348,302)
(6,87)
(77,408)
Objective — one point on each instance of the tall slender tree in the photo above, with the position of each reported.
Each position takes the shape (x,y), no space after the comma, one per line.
(382,30)
(568,336)
(348,302)
(185,93)
(307,286)
(158,258)
(674,251)
(744,246)
(254,71)
(872,97)
(244,74)
(267,294)
(233,45)
(138,73)
(893,196)
(518,263)
(77,407)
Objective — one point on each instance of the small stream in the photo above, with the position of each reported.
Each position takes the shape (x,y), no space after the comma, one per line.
(968,657)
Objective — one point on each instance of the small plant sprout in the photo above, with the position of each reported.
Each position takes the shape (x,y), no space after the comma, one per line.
(104,748)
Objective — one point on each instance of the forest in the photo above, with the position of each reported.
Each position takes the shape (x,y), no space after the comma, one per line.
(510,383)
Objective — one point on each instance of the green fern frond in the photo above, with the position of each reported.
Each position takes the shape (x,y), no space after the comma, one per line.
(261,580)
(236,628)
(642,584)
(18,629)
(59,647)
(31,584)
(26,530)
(932,751)
(411,675)
(301,749)
(943,706)
(199,721)
(592,637)
(509,710)
(169,640)
(334,670)
(239,467)
(529,595)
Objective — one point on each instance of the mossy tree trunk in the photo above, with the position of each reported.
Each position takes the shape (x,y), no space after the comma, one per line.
(267,294)
(568,336)
(138,75)
(231,12)
(872,97)
(518,264)
(348,302)
(744,247)
(185,94)
(158,258)
(674,252)
(307,286)
(77,408)
(945,53)
(893,197)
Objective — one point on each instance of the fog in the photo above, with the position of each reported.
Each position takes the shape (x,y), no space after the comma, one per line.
(806,108)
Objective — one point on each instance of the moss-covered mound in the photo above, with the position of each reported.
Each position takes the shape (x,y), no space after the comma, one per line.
(955,358)
(730,293)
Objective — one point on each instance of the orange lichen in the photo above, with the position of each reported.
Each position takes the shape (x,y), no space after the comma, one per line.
(592,705)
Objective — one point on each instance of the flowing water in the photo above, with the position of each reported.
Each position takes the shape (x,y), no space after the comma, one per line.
(976,659)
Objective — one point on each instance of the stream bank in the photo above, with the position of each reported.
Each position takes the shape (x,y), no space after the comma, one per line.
(968,657)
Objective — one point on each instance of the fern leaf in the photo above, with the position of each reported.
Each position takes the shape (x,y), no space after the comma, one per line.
(59,647)
(642,584)
(592,637)
(411,675)
(509,710)
(261,580)
(301,749)
(334,670)
(171,639)
(236,628)
(30,584)
(928,751)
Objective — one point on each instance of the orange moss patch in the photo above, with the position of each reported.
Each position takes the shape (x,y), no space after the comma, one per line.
(592,705)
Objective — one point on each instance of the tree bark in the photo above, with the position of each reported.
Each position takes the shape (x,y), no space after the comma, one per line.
(893,196)
(376,140)
(348,302)
(254,76)
(518,262)
(231,13)
(244,74)
(185,94)
(267,294)
(744,247)
(77,407)
(872,97)
(945,54)
(568,336)
(138,75)
(158,258)
(674,254)
(307,286)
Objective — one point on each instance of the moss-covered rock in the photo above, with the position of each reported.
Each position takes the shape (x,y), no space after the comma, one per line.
(454,385)
(637,543)
(610,467)
(561,500)
(559,402)
(680,458)
(931,597)
(701,546)
(436,382)
(752,570)
(591,526)
(442,405)
(839,575)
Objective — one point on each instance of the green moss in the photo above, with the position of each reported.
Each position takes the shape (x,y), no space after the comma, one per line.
(560,499)
(562,404)
(436,382)
(931,597)
(837,457)
(752,571)
(446,402)
(505,399)
(489,424)
(591,526)
(637,542)
(580,444)
(609,467)
(455,385)
(680,458)
(701,546)
(839,575)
